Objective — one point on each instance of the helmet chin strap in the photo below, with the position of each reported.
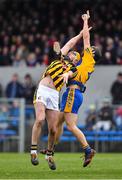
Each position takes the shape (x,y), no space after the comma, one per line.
(79,62)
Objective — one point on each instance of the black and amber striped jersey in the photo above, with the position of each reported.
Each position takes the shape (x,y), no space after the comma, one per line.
(57,68)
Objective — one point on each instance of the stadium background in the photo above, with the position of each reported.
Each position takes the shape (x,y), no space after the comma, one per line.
(28,29)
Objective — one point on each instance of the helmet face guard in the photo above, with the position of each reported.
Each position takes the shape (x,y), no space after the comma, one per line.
(77,56)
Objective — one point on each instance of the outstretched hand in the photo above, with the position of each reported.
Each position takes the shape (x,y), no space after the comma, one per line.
(56,47)
(65,77)
(86,16)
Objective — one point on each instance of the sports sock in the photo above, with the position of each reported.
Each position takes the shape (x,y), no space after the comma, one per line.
(87,150)
(49,152)
(33,148)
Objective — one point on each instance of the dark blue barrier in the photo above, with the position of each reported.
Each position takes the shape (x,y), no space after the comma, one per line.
(8,132)
(101,136)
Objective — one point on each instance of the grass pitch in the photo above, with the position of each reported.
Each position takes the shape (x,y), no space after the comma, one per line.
(69,166)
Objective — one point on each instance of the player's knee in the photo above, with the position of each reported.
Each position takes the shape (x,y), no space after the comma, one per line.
(39,121)
(52,131)
(70,127)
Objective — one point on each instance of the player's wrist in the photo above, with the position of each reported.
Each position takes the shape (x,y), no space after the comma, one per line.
(70,73)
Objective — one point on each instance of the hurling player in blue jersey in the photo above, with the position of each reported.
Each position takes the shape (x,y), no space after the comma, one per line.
(73,96)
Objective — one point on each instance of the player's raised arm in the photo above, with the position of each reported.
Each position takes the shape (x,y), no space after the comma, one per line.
(71,43)
(86,34)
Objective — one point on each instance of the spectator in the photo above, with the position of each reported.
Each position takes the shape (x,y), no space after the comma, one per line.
(17,61)
(12,52)
(5,59)
(15,109)
(116,90)
(14,88)
(107,59)
(29,89)
(31,43)
(31,60)
(118,118)
(111,49)
(45,59)
(91,117)
(119,53)
(38,54)
(105,121)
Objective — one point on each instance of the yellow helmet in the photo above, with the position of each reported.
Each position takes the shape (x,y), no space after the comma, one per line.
(77,57)
(77,54)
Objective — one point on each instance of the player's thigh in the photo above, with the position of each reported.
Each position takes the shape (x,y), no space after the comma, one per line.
(40,111)
(71,101)
(70,118)
(60,120)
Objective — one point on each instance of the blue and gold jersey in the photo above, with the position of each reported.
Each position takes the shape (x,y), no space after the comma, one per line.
(86,67)
(73,98)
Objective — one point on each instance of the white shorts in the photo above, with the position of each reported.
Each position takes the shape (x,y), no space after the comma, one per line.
(49,97)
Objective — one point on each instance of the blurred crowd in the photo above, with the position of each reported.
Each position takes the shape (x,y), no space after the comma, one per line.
(17,89)
(109,115)
(10,108)
(106,117)
(28,29)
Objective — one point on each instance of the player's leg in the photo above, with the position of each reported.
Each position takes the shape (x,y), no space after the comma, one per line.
(59,131)
(36,130)
(59,128)
(71,120)
(52,119)
(74,99)
(71,101)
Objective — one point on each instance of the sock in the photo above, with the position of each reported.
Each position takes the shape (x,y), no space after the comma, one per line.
(87,150)
(49,152)
(33,148)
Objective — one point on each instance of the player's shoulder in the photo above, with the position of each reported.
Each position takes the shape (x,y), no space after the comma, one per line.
(88,53)
(55,62)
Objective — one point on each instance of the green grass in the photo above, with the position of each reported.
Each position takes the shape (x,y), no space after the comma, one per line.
(69,166)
